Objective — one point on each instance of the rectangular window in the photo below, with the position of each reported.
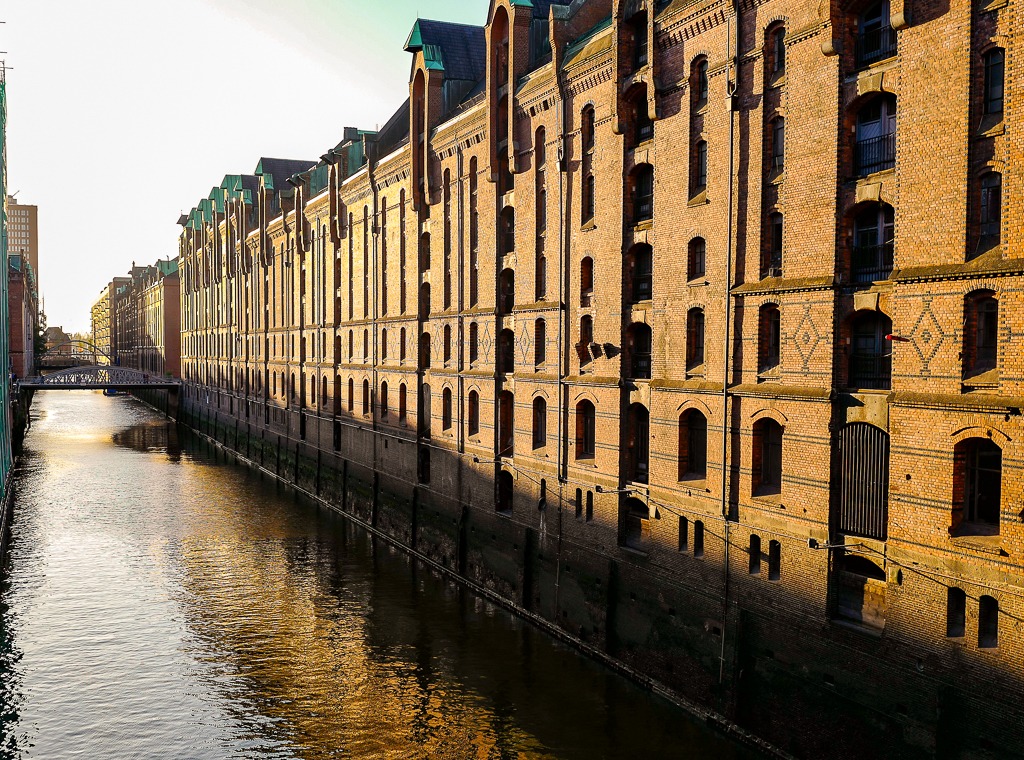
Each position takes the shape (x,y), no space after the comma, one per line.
(956,612)
(994,67)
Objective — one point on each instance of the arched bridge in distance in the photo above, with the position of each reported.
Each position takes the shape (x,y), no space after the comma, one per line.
(93,378)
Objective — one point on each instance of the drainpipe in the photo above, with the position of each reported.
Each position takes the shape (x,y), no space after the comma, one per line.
(732,85)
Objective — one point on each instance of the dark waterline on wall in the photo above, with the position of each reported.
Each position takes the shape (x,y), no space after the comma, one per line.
(165,602)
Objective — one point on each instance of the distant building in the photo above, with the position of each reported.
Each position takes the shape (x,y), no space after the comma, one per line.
(145,322)
(23,307)
(103,330)
(23,232)
(56,338)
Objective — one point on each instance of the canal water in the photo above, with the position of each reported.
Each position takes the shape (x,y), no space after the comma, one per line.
(164,601)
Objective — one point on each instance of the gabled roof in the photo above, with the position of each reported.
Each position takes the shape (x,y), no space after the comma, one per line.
(460,50)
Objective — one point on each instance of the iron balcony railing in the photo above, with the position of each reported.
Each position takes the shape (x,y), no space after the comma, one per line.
(872,263)
(875,154)
(871,371)
(876,45)
(642,285)
(645,132)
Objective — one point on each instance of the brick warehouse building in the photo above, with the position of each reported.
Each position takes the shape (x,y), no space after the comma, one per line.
(692,329)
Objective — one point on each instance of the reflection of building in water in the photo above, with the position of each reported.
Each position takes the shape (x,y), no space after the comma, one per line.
(584,324)
(162,436)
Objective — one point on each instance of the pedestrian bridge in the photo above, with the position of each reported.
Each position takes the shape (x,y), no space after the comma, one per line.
(98,378)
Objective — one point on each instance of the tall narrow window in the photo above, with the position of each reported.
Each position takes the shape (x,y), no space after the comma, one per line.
(874,234)
(402,403)
(693,445)
(991,204)
(425,351)
(542,278)
(506,424)
(638,443)
(540,423)
(401,346)
(772,265)
(777,42)
(698,538)
(473,343)
(507,291)
(778,143)
(684,534)
(701,83)
(401,252)
(351,395)
(767,457)
(366,396)
(642,264)
(993,88)
(384,345)
(384,400)
(474,413)
(978,471)
(507,351)
(643,197)
(755,555)
(774,560)
(586,429)
(876,135)
(956,612)
(981,333)
(863,481)
(447,344)
(871,355)
(876,39)
(425,412)
(540,342)
(696,257)
(638,25)
(639,342)
(988,623)
(694,338)
(586,339)
(474,233)
(446,409)
(700,167)
(769,338)
(586,281)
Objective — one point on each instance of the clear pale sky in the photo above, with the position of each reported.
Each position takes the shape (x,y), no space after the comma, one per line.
(124,113)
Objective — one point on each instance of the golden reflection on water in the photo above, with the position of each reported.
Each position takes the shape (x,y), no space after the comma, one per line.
(232,619)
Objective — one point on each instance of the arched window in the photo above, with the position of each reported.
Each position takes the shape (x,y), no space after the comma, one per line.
(774,561)
(402,404)
(640,271)
(586,430)
(769,338)
(991,205)
(993,85)
(684,534)
(863,481)
(425,351)
(507,291)
(425,411)
(956,612)
(693,445)
(874,234)
(586,281)
(540,423)
(694,338)
(540,342)
(775,59)
(876,40)
(506,423)
(506,355)
(638,341)
(638,443)
(587,128)
(425,301)
(977,487)
(755,554)
(474,413)
(876,135)
(698,539)
(384,399)
(425,251)
(447,344)
(981,332)
(508,231)
(988,622)
(366,396)
(699,81)
(767,469)
(446,409)
(871,355)
(643,194)
(696,258)
(474,346)
(351,394)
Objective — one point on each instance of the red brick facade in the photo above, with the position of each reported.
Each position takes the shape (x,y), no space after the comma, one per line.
(509,329)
